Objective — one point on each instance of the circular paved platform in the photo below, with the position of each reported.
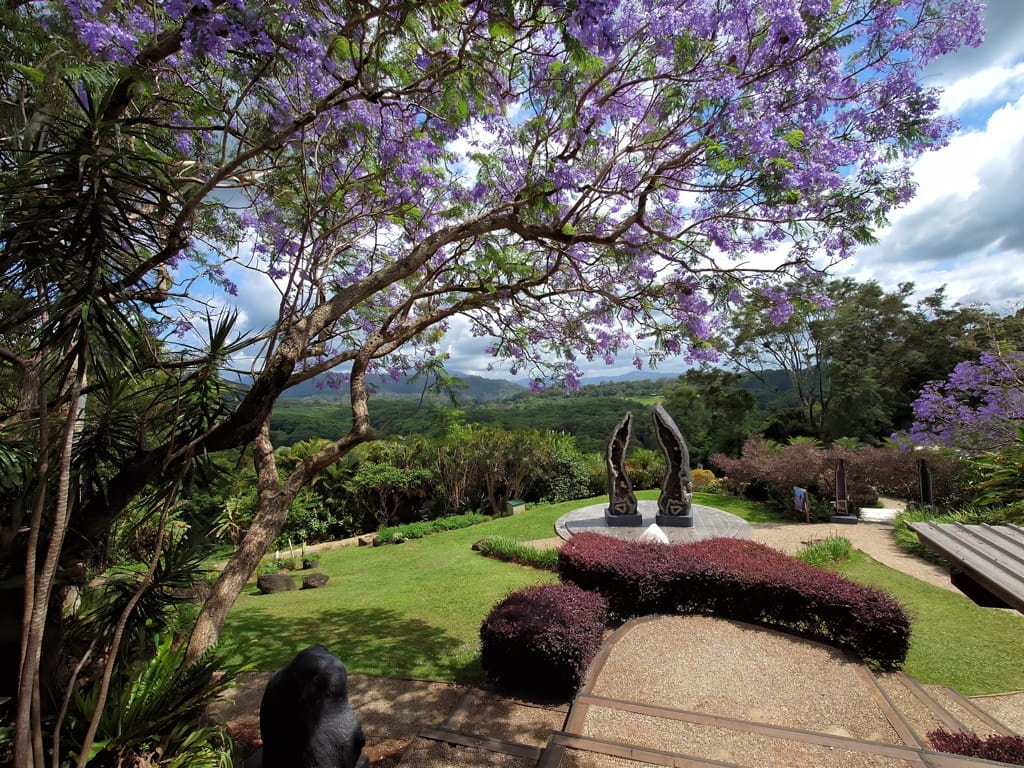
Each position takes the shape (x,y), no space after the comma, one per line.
(708,523)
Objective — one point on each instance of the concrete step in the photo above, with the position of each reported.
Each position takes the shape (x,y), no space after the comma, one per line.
(972,714)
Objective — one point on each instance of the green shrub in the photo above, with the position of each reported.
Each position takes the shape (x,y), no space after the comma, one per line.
(703,480)
(513,551)
(646,468)
(399,533)
(834,549)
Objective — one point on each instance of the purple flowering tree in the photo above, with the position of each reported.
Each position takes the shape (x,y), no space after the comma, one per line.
(578,179)
(979,407)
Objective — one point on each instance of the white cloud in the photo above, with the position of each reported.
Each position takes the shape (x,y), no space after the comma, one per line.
(964,228)
(990,84)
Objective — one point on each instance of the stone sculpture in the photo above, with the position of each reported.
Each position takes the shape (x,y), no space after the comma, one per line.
(622,504)
(843,512)
(676,499)
(924,477)
(305,717)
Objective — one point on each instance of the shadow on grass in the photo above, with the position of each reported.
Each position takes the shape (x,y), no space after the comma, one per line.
(368,641)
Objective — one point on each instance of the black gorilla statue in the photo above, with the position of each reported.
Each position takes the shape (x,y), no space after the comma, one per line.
(305,717)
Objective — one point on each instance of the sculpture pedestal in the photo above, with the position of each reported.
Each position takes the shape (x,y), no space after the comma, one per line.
(674,521)
(635,519)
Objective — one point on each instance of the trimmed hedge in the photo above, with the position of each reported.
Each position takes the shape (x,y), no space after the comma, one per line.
(512,551)
(1004,749)
(399,533)
(539,641)
(741,580)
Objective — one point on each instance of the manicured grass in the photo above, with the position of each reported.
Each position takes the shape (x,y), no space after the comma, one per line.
(410,609)
(751,511)
(954,642)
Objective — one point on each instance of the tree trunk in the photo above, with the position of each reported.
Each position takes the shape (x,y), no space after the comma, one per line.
(28,736)
(275,501)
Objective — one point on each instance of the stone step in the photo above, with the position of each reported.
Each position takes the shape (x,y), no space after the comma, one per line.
(485,729)
(601,727)
(970,713)
(916,706)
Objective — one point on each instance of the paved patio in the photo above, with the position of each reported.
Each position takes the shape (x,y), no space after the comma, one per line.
(708,523)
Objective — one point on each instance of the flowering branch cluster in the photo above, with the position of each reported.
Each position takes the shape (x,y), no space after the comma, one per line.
(979,407)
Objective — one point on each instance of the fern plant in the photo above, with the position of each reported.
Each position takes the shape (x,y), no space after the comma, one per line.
(153,713)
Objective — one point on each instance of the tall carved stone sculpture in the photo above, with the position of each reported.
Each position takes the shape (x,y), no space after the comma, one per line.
(305,717)
(676,500)
(924,477)
(843,509)
(622,506)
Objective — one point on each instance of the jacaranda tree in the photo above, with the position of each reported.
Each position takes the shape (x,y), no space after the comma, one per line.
(579,179)
(979,407)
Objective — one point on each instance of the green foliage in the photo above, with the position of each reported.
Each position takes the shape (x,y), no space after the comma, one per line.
(400,533)
(154,708)
(273,565)
(589,416)
(713,412)
(833,549)
(855,362)
(645,468)
(513,551)
(1003,475)
(178,571)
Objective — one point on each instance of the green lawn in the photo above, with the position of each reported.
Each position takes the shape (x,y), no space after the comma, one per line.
(954,642)
(415,609)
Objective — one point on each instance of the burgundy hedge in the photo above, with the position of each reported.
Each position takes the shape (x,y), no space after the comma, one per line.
(1005,749)
(740,580)
(540,640)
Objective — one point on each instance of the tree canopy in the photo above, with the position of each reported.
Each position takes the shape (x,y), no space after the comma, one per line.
(578,179)
(856,355)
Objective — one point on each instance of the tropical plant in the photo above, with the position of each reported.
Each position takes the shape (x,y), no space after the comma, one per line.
(831,549)
(1003,475)
(152,711)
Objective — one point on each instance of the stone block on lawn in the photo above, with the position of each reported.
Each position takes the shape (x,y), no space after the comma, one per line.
(269,583)
(315,580)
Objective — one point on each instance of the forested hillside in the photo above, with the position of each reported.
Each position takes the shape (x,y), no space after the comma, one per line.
(590,419)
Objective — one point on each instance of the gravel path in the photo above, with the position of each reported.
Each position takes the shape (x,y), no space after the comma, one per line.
(725,668)
(873,539)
